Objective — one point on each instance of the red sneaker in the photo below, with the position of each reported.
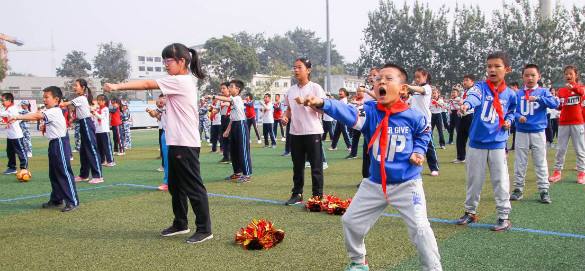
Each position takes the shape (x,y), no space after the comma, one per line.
(556,177)
(163,187)
(581,177)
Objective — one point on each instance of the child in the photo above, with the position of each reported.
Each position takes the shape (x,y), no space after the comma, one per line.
(420,100)
(305,133)
(340,128)
(60,172)
(102,131)
(159,114)
(454,118)
(89,153)
(117,130)
(225,112)
(126,125)
(14,137)
(238,134)
(182,135)
(160,108)
(402,134)
(464,122)
(26,140)
(251,115)
(215,132)
(358,101)
(327,124)
(531,121)
(278,108)
(204,119)
(494,105)
(554,114)
(437,105)
(268,121)
(570,125)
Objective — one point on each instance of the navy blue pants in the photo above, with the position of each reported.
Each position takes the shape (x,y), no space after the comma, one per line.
(225,141)
(355,141)
(61,173)
(340,130)
(240,148)
(267,131)
(252,123)
(328,129)
(275,127)
(288,142)
(216,136)
(431,154)
(89,153)
(15,147)
(105,147)
(117,132)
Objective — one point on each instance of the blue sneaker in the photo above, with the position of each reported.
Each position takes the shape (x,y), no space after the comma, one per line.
(353,266)
(9,171)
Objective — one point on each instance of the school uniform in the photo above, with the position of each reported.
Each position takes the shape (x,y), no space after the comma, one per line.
(126,125)
(164,147)
(102,134)
(341,130)
(422,103)
(160,132)
(571,123)
(486,147)
(26,139)
(89,153)
(530,136)
(278,110)
(454,118)
(182,137)
(60,171)
(117,130)
(14,140)
(463,131)
(239,138)
(305,138)
(225,111)
(251,117)
(553,118)
(215,126)
(356,134)
(327,127)
(436,109)
(408,133)
(267,123)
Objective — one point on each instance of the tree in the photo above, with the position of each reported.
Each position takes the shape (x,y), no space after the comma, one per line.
(111,63)
(74,65)
(226,59)
(3,69)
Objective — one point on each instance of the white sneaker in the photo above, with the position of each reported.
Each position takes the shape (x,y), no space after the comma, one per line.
(160,169)
(259,141)
(307,164)
(434,173)
(325,165)
(29,155)
(283,139)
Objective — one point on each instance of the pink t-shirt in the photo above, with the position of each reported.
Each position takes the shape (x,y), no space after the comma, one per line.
(182,110)
(304,120)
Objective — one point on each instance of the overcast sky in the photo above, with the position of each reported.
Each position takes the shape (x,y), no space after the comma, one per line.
(149,25)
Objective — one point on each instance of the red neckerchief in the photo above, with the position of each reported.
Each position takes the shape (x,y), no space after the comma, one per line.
(100,113)
(497,105)
(5,119)
(382,133)
(527,93)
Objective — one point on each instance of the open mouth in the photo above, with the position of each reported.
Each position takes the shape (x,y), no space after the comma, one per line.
(382,92)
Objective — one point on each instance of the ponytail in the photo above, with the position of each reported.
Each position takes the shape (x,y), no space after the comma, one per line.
(195,65)
(83,83)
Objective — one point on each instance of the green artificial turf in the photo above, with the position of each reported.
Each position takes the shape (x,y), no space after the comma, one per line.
(117,226)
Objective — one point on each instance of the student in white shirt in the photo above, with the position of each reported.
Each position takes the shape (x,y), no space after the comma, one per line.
(340,128)
(14,137)
(305,132)
(102,131)
(182,136)
(268,121)
(215,131)
(63,191)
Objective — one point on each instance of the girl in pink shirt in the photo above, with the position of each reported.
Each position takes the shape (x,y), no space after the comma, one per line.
(182,138)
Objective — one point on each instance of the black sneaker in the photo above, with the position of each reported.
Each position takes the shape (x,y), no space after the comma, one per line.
(502,225)
(224,161)
(199,238)
(294,199)
(69,207)
(467,218)
(172,231)
(545,197)
(516,194)
(50,204)
(350,157)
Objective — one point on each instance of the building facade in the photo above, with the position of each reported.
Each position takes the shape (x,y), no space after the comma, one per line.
(349,82)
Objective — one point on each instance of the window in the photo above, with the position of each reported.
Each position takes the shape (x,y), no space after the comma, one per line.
(140,58)
(36,88)
(149,59)
(277,84)
(258,83)
(149,69)
(13,88)
(157,69)
(157,59)
(285,84)
(141,68)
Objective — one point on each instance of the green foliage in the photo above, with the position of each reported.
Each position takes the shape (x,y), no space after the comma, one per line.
(3,69)
(111,63)
(419,37)
(74,65)
(226,59)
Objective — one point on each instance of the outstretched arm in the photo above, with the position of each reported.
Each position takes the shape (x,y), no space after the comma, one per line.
(132,85)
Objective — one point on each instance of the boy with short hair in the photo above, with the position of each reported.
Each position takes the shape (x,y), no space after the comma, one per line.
(238,133)
(278,109)
(60,172)
(494,105)
(464,122)
(531,122)
(225,112)
(268,121)
(399,138)
(14,142)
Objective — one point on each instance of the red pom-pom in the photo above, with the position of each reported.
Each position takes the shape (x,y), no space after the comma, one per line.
(259,234)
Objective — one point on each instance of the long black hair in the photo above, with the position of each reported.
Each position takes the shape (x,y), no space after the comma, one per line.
(425,73)
(192,62)
(83,83)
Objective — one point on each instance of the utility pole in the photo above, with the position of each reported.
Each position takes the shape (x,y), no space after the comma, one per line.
(328,80)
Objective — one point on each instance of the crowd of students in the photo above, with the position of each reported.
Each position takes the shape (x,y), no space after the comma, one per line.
(396,118)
